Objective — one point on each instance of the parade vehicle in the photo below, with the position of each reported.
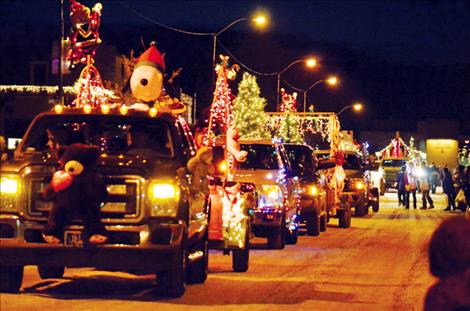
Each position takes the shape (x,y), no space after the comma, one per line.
(267,167)
(390,168)
(358,186)
(320,130)
(313,187)
(153,223)
(229,228)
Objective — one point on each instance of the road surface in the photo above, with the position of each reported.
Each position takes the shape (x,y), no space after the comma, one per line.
(380,263)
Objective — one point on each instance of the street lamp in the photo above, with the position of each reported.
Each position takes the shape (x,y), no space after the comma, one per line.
(356,106)
(309,63)
(332,81)
(259,20)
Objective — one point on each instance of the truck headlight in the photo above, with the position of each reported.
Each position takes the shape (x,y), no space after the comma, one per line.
(9,189)
(164,198)
(360,185)
(313,190)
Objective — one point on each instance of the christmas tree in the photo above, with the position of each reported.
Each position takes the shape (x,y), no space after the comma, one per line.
(289,128)
(248,109)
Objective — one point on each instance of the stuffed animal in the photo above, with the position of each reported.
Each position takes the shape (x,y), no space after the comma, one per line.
(233,146)
(147,83)
(200,167)
(76,191)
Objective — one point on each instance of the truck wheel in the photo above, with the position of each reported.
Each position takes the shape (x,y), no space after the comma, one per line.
(313,224)
(240,259)
(344,216)
(197,269)
(51,272)
(323,222)
(291,236)
(170,283)
(375,203)
(361,208)
(10,278)
(277,240)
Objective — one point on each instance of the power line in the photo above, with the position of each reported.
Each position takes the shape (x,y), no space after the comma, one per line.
(291,86)
(243,65)
(163,25)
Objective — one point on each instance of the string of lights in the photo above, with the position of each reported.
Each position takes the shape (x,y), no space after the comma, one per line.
(36,90)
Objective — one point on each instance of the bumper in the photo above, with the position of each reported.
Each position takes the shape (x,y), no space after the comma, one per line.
(355,198)
(151,252)
(267,217)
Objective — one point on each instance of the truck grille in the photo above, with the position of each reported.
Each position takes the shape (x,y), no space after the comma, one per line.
(123,200)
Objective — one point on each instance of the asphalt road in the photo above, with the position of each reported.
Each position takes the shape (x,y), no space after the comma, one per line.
(380,263)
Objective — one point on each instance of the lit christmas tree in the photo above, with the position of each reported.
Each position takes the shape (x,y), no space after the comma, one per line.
(248,109)
(289,128)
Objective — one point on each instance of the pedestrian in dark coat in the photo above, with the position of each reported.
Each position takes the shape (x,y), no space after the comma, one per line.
(448,189)
(401,176)
(449,260)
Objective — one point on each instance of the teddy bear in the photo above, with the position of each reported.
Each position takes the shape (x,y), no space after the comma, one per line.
(233,135)
(200,166)
(76,190)
(149,85)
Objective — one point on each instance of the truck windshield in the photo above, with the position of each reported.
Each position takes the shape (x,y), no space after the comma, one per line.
(393,163)
(352,162)
(133,135)
(301,159)
(260,157)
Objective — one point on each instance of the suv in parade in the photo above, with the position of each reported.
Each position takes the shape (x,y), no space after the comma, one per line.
(152,222)
(275,215)
(358,187)
(313,193)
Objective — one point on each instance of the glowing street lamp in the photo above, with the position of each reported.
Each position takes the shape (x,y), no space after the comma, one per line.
(331,81)
(356,107)
(259,20)
(310,62)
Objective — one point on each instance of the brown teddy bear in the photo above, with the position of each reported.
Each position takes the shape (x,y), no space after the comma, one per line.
(76,191)
(201,167)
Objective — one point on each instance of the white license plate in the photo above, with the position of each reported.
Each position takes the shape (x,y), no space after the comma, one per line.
(73,238)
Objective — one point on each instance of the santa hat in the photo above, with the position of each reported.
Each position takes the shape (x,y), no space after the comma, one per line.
(151,57)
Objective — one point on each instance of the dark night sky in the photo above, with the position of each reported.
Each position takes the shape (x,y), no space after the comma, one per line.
(406,59)
(412,31)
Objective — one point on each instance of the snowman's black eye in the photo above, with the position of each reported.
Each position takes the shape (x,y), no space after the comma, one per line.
(144,82)
(71,170)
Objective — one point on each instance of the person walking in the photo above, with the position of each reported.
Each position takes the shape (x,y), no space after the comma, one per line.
(424,182)
(401,181)
(434,177)
(410,185)
(448,189)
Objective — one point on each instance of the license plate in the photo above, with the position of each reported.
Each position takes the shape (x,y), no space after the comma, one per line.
(73,238)
(269,217)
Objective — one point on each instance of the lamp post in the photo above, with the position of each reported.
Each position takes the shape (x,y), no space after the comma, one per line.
(309,62)
(330,81)
(259,20)
(355,106)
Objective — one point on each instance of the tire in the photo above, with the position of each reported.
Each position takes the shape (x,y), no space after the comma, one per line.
(344,217)
(313,224)
(170,283)
(51,272)
(240,259)
(361,208)
(10,278)
(323,222)
(291,237)
(277,240)
(197,270)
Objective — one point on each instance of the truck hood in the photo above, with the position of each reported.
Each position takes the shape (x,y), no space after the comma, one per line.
(353,173)
(110,165)
(258,177)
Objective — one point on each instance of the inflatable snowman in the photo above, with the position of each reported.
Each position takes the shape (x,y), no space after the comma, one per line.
(147,84)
